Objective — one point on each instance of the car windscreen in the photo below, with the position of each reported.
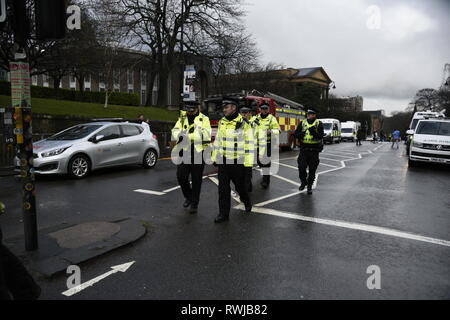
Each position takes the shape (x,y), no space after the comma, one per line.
(414,124)
(74,133)
(327,126)
(434,128)
(346,130)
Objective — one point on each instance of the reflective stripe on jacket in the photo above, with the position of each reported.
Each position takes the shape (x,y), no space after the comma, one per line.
(234,140)
(309,138)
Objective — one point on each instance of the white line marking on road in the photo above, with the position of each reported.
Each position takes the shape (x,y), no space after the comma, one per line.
(233,194)
(172,189)
(157,193)
(119,268)
(354,226)
(337,155)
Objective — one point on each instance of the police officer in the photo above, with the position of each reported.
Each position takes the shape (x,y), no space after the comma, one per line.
(249,118)
(268,128)
(193,135)
(233,151)
(310,134)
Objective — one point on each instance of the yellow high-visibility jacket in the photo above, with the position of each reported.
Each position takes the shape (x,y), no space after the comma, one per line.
(199,132)
(266,126)
(234,140)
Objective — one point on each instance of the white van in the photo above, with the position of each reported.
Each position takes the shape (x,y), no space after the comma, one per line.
(349,130)
(332,130)
(430,141)
(415,119)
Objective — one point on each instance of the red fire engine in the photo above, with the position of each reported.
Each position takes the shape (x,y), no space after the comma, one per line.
(288,113)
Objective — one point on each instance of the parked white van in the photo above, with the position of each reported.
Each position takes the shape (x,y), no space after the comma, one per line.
(415,119)
(349,130)
(430,141)
(332,130)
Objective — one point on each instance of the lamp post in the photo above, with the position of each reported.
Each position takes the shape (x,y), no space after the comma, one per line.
(332,85)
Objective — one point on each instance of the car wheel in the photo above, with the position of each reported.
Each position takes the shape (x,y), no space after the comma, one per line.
(79,166)
(150,159)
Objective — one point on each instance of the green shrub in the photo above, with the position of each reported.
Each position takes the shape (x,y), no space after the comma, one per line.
(118,98)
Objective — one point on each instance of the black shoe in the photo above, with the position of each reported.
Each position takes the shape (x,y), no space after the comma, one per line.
(194,208)
(248,207)
(302,186)
(187,203)
(309,189)
(220,219)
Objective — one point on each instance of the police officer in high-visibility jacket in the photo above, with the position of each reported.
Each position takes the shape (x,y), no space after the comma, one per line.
(233,151)
(267,135)
(247,115)
(192,132)
(310,134)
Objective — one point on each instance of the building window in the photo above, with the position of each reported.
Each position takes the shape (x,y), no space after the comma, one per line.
(87,81)
(143,78)
(116,80)
(130,90)
(130,76)
(3,75)
(72,82)
(34,80)
(45,80)
(143,97)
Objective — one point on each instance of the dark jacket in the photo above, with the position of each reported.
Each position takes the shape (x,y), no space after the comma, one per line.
(316,133)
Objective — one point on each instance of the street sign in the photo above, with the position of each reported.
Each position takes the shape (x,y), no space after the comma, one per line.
(2,11)
(189,81)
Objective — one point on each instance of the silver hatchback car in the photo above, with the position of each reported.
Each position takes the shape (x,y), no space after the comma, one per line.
(85,147)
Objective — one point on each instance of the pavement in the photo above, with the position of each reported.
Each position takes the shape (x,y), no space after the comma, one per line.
(368,209)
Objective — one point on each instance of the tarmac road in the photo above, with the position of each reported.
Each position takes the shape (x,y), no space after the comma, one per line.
(367,209)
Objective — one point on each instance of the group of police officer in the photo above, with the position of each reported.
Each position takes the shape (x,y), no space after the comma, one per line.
(243,139)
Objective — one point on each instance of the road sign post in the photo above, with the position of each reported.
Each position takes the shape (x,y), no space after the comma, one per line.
(21,101)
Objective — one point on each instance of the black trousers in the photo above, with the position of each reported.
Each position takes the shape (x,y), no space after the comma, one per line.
(15,281)
(196,173)
(248,178)
(236,174)
(266,177)
(308,159)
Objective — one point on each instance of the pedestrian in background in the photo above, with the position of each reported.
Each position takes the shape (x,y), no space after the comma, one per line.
(395,138)
(359,136)
(310,134)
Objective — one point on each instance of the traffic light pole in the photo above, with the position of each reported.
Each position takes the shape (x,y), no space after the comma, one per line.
(21,101)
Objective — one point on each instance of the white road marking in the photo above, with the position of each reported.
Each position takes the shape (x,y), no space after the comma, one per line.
(354,226)
(296,168)
(157,193)
(233,194)
(171,189)
(119,268)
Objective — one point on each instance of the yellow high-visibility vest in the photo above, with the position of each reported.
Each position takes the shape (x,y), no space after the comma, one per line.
(200,136)
(234,140)
(308,138)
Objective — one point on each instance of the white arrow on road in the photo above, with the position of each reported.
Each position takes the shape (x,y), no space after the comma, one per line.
(122,268)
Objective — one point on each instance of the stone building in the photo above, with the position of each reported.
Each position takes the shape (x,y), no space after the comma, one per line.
(285,82)
(131,75)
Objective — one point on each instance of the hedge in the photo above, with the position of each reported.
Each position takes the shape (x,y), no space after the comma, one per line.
(118,98)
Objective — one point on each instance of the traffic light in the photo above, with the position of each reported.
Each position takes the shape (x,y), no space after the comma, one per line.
(21,23)
(50,19)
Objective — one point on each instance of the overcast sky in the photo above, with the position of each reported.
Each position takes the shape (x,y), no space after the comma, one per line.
(385,60)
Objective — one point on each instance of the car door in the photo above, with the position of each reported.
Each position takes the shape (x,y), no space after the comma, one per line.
(133,143)
(108,151)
